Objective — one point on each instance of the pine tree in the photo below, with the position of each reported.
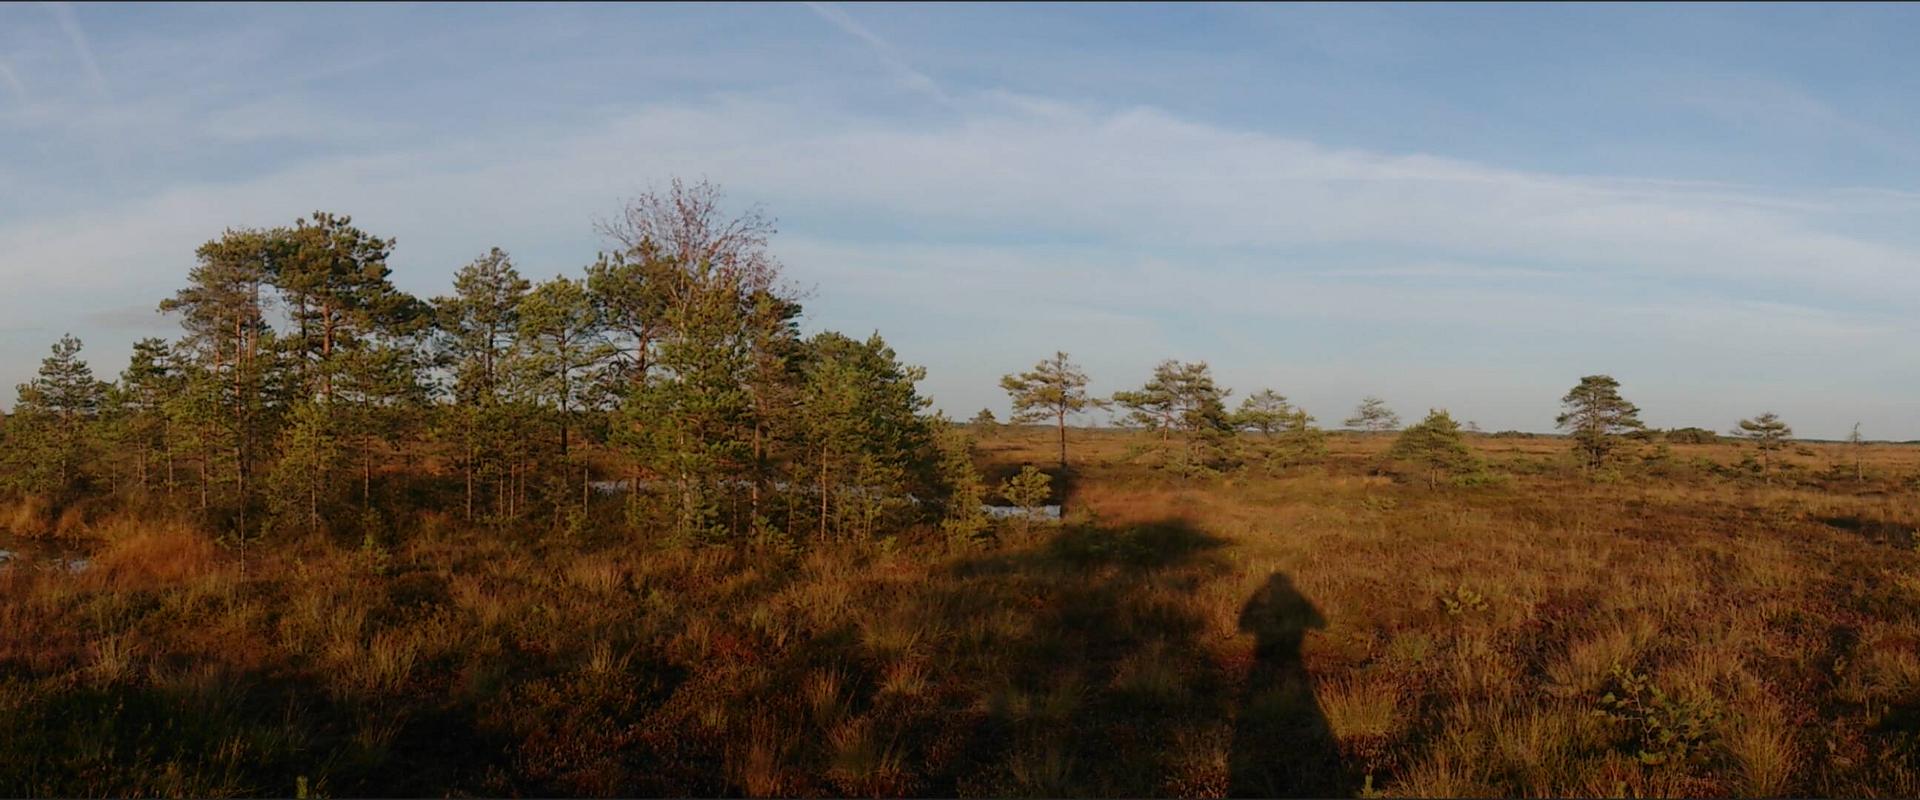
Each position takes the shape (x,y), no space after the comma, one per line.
(1028,491)
(381,400)
(559,343)
(1373,416)
(477,326)
(352,349)
(634,291)
(1768,433)
(1597,416)
(150,381)
(692,423)
(32,444)
(1053,390)
(236,383)
(1295,441)
(1265,411)
(50,451)
(301,483)
(196,418)
(338,290)
(1435,444)
(1859,447)
(1182,399)
(703,345)
(964,519)
(776,358)
(864,432)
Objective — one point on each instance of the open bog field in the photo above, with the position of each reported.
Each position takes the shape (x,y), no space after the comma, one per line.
(1678,627)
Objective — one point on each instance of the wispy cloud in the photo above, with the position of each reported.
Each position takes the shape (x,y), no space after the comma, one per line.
(912,78)
(82,49)
(12,80)
(1269,255)
(1748,101)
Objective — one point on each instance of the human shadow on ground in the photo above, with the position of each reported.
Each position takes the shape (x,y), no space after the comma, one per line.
(1090,673)
(1282,744)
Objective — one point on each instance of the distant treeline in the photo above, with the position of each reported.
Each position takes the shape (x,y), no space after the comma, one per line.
(303,376)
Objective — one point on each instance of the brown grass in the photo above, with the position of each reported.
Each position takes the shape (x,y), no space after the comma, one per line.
(1322,631)
(153,555)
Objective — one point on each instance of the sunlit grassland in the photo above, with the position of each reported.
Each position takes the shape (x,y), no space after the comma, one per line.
(1678,628)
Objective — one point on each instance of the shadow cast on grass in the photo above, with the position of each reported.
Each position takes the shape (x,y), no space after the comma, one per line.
(255,736)
(1873,530)
(1105,682)
(1282,744)
(1085,661)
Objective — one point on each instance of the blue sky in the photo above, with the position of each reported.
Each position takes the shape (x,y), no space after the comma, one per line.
(1449,206)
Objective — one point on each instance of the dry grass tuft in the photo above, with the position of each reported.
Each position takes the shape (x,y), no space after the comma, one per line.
(1764,750)
(154,554)
(1361,708)
(1584,668)
(26,517)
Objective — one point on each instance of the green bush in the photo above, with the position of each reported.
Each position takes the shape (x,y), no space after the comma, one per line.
(1692,436)
(1663,729)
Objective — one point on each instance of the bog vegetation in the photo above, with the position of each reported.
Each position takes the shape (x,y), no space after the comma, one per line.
(630,532)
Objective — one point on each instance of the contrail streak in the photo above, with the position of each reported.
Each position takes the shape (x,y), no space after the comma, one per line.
(913,78)
(70,23)
(12,81)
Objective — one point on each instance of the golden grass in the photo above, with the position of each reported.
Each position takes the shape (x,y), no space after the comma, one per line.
(1176,637)
(161,554)
(27,516)
(1362,708)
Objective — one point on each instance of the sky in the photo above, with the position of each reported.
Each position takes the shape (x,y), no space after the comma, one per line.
(1463,207)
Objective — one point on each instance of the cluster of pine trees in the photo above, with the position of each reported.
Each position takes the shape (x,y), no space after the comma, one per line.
(303,375)
(1182,407)
(1186,411)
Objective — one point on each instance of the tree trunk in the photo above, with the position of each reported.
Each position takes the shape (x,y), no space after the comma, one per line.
(469,471)
(823,495)
(306,341)
(326,353)
(754,489)
(1061,416)
(686,502)
(565,391)
(240,484)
